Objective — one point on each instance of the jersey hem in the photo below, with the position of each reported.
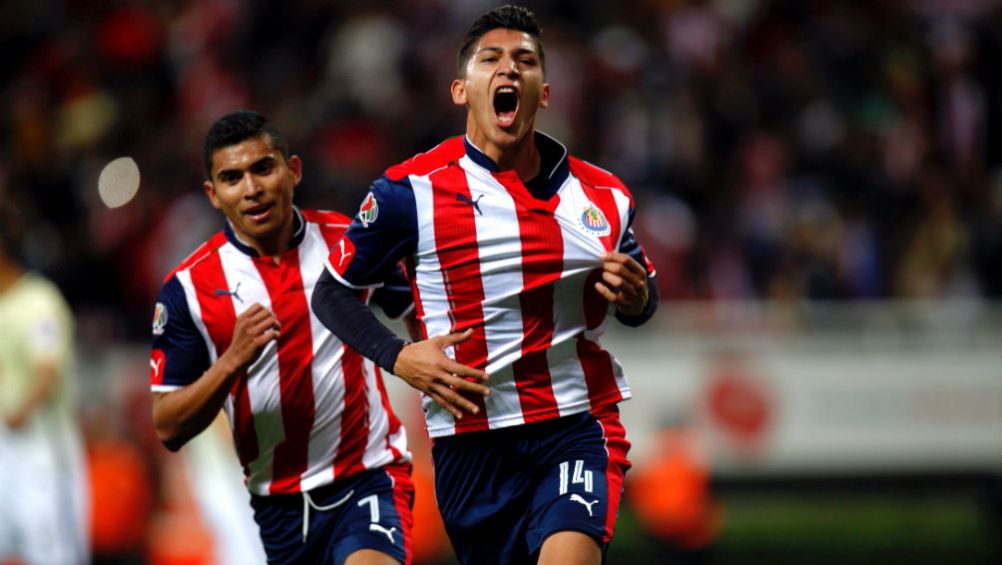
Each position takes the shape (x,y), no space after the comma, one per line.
(620,395)
(262,488)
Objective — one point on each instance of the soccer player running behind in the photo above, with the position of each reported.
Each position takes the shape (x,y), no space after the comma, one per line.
(44,500)
(515,252)
(324,457)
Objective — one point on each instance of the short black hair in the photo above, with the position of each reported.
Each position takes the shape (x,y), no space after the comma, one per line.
(237,126)
(505,17)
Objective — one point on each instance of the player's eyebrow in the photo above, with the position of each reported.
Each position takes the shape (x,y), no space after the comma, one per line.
(518,52)
(227,174)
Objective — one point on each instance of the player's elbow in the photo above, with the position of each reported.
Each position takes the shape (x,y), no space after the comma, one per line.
(169,436)
(170,432)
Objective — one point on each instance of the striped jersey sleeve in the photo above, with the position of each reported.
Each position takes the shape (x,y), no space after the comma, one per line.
(383,231)
(179,354)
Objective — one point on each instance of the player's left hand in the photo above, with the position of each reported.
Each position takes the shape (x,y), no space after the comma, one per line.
(624,283)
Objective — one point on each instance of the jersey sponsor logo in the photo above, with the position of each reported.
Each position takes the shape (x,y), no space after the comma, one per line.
(157,367)
(475,203)
(341,255)
(593,221)
(235,293)
(369,210)
(159,319)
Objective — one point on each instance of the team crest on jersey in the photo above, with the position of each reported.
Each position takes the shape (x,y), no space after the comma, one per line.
(159,319)
(369,210)
(593,221)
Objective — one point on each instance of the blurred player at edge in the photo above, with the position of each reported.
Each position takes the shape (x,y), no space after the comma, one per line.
(324,457)
(517,251)
(43,481)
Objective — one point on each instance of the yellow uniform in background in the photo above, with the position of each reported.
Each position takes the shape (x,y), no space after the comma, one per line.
(43,501)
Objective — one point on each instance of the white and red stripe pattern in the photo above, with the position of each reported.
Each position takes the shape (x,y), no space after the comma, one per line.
(309,409)
(520,272)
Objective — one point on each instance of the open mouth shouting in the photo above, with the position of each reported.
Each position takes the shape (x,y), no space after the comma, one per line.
(505,106)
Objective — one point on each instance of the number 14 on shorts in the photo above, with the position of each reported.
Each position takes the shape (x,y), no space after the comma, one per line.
(580,476)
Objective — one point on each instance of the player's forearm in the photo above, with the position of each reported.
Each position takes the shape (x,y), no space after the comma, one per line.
(180,415)
(340,310)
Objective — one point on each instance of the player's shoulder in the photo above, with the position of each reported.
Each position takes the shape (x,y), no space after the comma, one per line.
(326,218)
(594,175)
(422,164)
(205,250)
(37,291)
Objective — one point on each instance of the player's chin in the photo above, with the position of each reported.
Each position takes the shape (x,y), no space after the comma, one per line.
(507,137)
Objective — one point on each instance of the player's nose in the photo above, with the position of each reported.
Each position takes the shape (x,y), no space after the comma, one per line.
(251,185)
(508,66)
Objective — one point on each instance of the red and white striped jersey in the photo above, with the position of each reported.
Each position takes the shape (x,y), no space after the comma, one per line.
(486,253)
(310,410)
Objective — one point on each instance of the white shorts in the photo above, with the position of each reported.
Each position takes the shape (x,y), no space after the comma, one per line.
(43,498)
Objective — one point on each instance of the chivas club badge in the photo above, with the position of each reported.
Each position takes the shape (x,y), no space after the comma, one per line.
(593,221)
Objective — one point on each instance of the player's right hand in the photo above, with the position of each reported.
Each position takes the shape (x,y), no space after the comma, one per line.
(254,328)
(425,366)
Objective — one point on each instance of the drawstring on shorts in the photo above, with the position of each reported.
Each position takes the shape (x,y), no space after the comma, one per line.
(308,502)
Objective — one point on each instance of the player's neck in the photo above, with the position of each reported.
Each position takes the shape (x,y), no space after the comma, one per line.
(272,247)
(522,157)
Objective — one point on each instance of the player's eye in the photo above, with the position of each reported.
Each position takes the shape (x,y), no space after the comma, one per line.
(263,167)
(229,177)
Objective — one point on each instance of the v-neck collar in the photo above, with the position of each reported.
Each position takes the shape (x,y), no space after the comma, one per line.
(554,169)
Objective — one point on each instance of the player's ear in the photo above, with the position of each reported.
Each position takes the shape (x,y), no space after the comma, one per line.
(544,100)
(459,92)
(296,168)
(210,191)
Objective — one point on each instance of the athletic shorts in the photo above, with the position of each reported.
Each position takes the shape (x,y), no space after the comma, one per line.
(44,495)
(503,492)
(370,510)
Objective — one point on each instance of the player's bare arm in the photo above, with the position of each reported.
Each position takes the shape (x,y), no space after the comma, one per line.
(425,366)
(180,415)
(624,283)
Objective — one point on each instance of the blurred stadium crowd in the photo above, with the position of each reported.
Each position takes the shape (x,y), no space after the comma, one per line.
(777,149)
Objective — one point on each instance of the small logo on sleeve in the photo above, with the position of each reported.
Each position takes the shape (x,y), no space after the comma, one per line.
(593,221)
(157,367)
(369,210)
(341,255)
(159,319)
